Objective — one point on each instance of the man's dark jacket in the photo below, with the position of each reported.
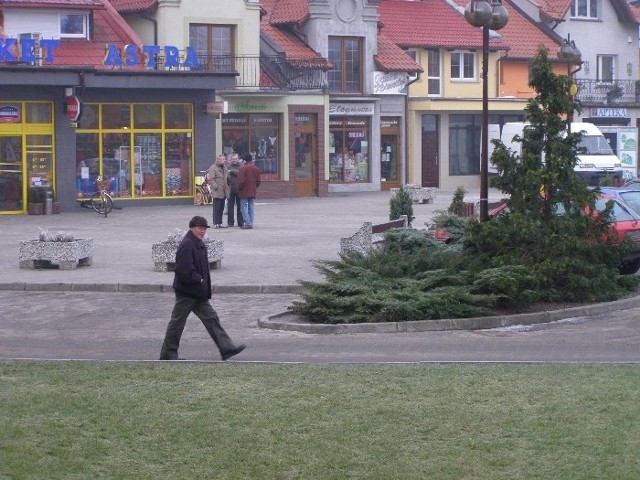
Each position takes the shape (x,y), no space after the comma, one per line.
(192,278)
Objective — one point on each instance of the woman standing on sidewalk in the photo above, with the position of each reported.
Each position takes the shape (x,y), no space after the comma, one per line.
(219,188)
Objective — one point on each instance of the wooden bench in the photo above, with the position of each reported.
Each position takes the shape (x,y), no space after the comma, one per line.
(370,236)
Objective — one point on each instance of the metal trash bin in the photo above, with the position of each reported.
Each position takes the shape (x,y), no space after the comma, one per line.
(48,203)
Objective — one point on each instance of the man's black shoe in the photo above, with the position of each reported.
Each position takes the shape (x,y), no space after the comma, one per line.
(173,359)
(233,351)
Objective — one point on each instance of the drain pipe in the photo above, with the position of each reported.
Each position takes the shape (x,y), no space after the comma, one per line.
(405,172)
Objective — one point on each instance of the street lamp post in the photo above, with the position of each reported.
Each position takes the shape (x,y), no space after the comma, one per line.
(489,16)
(568,52)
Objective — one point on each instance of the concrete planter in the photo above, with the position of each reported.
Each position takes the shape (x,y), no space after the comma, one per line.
(163,254)
(66,255)
(418,194)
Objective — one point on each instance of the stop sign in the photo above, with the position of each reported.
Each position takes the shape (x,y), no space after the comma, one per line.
(74,108)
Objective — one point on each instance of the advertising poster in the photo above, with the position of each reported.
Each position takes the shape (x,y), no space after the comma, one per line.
(624,142)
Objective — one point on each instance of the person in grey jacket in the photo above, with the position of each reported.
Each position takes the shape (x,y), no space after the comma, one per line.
(217,175)
(234,198)
(192,286)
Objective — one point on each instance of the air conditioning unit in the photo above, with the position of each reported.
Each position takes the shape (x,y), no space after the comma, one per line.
(37,51)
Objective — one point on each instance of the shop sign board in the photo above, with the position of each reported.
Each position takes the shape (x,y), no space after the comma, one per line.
(351,109)
(624,142)
(26,53)
(132,56)
(392,83)
(9,114)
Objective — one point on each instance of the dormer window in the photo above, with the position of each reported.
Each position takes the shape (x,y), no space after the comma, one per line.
(73,25)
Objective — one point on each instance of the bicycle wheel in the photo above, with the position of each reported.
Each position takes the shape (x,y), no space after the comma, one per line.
(101,203)
(200,196)
(207,198)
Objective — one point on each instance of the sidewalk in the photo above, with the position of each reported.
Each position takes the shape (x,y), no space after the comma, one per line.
(72,314)
(289,234)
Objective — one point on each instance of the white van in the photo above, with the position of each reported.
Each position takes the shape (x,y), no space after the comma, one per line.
(597,161)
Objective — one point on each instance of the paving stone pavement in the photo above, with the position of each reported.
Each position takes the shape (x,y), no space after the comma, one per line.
(79,314)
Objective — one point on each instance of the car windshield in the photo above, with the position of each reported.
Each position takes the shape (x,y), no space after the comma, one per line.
(632,199)
(595,145)
(619,213)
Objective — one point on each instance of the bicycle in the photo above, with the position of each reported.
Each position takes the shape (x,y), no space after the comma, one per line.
(203,190)
(101,201)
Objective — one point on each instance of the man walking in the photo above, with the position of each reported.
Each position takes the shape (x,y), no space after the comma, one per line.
(248,183)
(192,286)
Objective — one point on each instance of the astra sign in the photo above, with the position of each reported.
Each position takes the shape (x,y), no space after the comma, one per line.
(24,50)
(132,56)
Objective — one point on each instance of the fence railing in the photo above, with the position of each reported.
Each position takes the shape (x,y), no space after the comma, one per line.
(616,92)
(258,71)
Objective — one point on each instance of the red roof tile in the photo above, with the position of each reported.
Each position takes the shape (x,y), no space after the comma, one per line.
(295,50)
(524,37)
(57,4)
(288,11)
(429,24)
(391,58)
(125,6)
(108,27)
(554,9)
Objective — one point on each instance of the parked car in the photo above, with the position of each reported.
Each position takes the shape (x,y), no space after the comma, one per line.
(626,224)
(629,194)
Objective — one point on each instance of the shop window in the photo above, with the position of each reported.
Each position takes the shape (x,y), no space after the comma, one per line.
(178,116)
(256,134)
(349,150)
(145,161)
(116,115)
(147,116)
(464,144)
(36,112)
(177,175)
(90,116)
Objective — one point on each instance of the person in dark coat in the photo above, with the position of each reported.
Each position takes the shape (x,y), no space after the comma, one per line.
(248,183)
(192,286)
(233,204)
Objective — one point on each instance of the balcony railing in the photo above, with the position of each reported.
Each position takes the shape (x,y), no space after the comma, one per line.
(617,92)
(260,72)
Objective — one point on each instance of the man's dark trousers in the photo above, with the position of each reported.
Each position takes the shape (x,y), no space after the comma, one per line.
(207,315)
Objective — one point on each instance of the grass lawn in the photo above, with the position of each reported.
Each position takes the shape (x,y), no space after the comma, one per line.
(87,420)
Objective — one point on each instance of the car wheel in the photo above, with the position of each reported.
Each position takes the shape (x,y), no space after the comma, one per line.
(630,267)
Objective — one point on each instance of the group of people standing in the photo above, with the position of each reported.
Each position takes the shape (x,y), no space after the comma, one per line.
(236,184)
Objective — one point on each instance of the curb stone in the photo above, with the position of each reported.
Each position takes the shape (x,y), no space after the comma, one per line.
(287,321)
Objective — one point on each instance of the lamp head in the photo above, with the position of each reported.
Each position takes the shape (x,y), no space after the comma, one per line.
(478,13)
